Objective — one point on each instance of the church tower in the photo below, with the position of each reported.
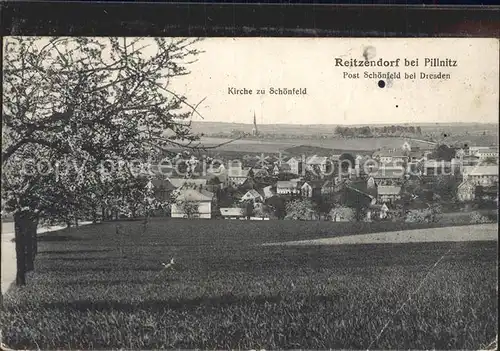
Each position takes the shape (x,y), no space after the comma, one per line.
(255,131)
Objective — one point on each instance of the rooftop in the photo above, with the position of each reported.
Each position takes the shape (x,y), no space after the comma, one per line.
(195,195)
(487,151)
(231,211)
(287,183)
(285,167)
(385,172)
(253,192)
(316,160)
(483,170)
(388,190)
(186,182)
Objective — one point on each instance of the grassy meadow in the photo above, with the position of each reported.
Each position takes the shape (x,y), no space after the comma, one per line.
(98,288)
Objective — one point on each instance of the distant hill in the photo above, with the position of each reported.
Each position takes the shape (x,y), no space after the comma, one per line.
(211,128)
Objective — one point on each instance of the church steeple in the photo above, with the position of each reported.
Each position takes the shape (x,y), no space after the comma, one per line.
(255,132)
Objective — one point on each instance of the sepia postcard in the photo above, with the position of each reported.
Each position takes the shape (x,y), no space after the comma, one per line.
(249,193)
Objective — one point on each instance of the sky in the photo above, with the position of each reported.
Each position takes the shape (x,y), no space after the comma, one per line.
(470,95)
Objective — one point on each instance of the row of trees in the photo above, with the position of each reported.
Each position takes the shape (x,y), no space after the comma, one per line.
(74,109)
(342,131)
(367,131)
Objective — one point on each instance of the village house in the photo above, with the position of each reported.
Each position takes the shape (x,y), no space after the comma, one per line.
(371,183)
(328,187)
(311,188)
(393,156)
(341,214)
(487,153)
(295,165)
(377,211)
(162,189)
(418,156)
(231,213)
(187,183)
(201,199)
(318,162)
(252,195)
(236,175)
(287,187)
(260,172)
(269,191)
(466,191)
(317,188)
(272,159)
(388,193)
(283,168)
(481,175)
(388,175)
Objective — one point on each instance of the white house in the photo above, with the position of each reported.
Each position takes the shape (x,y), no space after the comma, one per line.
(295,165)
(268,191)
(476,150)
(317,161)
(237,175)
(281,168)
(312,188)
(287,187)
(466,191)
(203,199)
(383,211)
(391,156)
(252,195)
(487,153)
(481,175)
(231,212)
(388,193)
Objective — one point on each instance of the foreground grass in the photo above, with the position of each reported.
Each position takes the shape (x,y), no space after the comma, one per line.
(94,289)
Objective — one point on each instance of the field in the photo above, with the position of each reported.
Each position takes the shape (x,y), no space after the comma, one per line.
(277,145)
(326,129)
(93,288)
(461,133)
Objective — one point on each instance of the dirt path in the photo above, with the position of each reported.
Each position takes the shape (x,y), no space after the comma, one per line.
(479,232)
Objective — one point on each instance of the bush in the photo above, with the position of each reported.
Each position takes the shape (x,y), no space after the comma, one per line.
(477,218)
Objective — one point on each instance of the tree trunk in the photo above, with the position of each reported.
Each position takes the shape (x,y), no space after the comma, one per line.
(31,240)
(35,237)
(20,233)
(30,254)
(103,213)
